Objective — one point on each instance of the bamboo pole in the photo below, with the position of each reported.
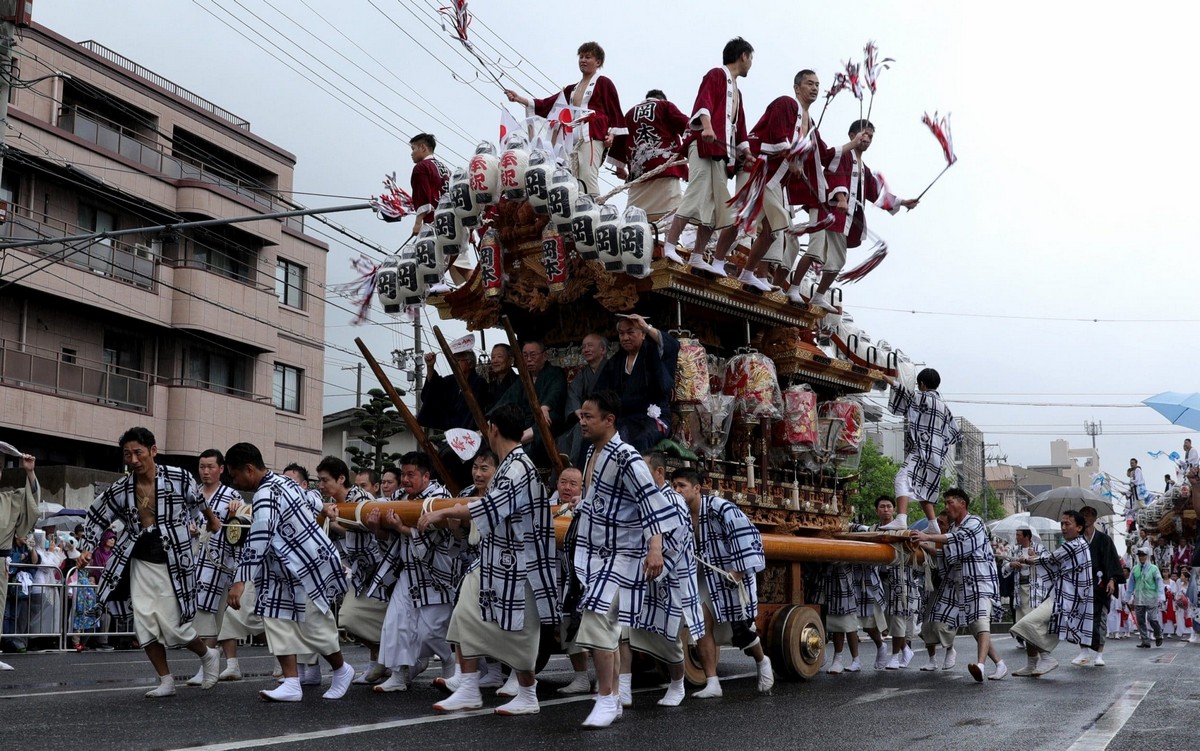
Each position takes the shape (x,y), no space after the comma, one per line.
(541,424)
(410,419)
(464,384)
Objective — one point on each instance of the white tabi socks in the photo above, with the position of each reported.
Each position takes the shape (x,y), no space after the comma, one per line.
(711,690)
(165,687)
(625,689)
(526,701)
(289,690)
(467,695)
(674,696)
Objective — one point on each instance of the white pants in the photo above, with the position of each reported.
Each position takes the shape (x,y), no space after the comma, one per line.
(411,632)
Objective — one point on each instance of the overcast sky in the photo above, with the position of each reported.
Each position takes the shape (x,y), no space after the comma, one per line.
(1065,204)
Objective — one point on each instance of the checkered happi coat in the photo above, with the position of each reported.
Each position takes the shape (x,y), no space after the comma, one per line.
(1070,566)
(929,434)
(516,545)
(621,509)
(178,501)
(424,562)
(852,589)
(730,542)
(287,555)
(214,570)
(969,581)
(1039,579)
(674,596)
(360,550)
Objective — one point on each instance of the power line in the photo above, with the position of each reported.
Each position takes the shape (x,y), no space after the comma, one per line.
(1006,317)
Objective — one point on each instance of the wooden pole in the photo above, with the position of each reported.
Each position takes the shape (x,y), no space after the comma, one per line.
(464,385)
(776,546)
(939,177)
(409,419)
(539,420)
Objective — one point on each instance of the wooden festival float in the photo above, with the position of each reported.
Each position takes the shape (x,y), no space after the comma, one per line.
(761,404)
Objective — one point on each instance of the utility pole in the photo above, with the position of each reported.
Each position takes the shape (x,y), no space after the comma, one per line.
(983,460)
(418,358)
(357,383)
(8,38)
(1093,429)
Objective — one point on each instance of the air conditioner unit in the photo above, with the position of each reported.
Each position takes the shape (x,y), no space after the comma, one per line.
(144,251)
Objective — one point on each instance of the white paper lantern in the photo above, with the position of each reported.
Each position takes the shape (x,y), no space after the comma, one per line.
(484,171)
(537,180)
(430,262)
(463,199)
(637,243)
(451,236)
(409,281)
(608,238)
(560,200)
(584,219)
(387,286)
(513,164)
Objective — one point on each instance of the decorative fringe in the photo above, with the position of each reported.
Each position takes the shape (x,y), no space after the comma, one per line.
(824,221)
(747,203)
(362,289)
(395,203)
(940,127)
(873,67)
(866,267)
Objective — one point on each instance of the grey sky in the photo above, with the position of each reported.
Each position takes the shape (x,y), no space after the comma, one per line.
(1067,201)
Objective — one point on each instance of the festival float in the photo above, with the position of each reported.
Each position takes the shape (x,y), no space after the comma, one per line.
(766,391)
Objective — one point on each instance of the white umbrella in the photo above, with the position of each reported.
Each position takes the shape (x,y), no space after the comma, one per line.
(1039,525)
(48,507)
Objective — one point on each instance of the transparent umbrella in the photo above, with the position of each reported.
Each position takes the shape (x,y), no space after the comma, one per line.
(1039,525)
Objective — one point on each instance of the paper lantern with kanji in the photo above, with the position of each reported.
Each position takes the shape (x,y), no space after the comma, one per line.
(514,162)
(430,262)
(637,243)
(484,171)
(466,209)
(560,200)
(491,264)
(409,281)
(554,258)
(584,219)
(537,180)
(608,238)
(451,236)
(387,285)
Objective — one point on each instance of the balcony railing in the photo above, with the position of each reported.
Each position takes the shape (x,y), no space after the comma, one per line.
(46,370)
(118,139)
(134,264)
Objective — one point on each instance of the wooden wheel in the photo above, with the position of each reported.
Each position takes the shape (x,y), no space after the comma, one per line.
(797,642)
(693,669)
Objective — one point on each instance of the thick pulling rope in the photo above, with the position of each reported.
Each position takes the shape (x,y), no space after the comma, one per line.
(672,162)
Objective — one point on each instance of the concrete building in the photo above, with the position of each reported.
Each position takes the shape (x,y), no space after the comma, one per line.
(1077,465)
(207,336)
(342,430)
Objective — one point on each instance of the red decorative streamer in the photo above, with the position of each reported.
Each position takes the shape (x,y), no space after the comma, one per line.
(395,203)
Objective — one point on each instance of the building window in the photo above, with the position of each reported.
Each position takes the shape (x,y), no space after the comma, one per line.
(289,284)
(69,356)
(222,371)
(286,392)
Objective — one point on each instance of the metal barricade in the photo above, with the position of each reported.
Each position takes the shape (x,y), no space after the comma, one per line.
(86,621)
(34,607)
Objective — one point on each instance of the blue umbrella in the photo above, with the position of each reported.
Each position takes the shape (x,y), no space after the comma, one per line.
(1178,407)
(922,524)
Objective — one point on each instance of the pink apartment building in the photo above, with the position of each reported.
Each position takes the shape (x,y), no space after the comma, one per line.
(206,336)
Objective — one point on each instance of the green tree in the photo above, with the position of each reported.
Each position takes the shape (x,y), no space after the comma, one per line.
(379,421)
(876,477)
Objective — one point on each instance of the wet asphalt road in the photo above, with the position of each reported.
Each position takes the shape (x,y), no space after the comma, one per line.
(94,699)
